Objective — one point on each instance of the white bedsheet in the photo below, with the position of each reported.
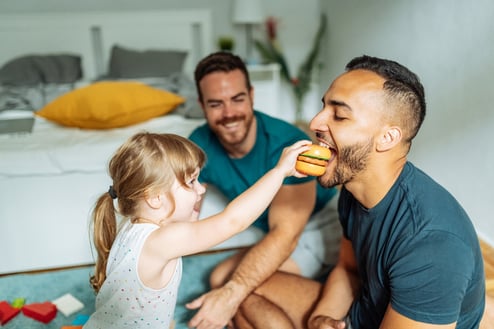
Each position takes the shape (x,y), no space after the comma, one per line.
(53,149)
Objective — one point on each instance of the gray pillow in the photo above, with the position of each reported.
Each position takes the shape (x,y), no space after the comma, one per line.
(129,64)
(35,69)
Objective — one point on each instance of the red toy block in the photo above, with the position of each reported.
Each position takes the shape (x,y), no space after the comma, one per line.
(43,312)
(7,312)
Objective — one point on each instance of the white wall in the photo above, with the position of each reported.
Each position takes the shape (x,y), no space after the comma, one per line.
(298,20)
(450,45)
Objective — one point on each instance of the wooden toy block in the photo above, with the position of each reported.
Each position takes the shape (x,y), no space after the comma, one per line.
(71,327)
(68,304)
(43,312)
(80,320)
(7,312)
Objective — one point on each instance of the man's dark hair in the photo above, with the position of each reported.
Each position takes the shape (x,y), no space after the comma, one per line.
(221,61)
(401,84)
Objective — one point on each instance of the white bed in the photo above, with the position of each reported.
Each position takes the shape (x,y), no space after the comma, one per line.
(50,178)
(47,191)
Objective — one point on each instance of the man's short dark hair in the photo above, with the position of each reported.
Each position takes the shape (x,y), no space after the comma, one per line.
(401,84)
(221,61)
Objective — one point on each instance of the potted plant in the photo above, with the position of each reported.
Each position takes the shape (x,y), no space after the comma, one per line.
(226,43)
(270,52)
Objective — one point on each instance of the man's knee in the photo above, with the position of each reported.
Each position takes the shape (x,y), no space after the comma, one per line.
(258,312)
(219,275)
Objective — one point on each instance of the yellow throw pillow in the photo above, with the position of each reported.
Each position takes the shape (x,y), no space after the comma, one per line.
(110,104)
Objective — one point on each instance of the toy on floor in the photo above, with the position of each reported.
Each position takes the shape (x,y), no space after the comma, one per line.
(80,320)
(18,302)
(68,304)
(43,312)
(7,312)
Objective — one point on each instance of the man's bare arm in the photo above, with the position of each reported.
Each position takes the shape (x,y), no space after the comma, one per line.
(288,214)
(339,290)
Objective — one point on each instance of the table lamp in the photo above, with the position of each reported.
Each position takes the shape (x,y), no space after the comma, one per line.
(248,13)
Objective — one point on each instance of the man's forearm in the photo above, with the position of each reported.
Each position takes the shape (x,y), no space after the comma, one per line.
(288,214)
(338,294)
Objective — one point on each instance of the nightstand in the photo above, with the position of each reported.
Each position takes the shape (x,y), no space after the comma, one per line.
(266,82)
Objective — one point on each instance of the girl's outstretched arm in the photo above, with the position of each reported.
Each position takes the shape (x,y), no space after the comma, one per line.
(238,214)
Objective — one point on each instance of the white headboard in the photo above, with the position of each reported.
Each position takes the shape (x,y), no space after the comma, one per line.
(92,35)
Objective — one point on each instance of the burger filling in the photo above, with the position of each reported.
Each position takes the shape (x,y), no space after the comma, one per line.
(313,160)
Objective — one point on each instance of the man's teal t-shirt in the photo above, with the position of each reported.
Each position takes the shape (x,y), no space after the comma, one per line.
(234,176)
(416,250)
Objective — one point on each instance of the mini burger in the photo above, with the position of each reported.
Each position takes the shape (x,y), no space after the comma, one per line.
(314,161)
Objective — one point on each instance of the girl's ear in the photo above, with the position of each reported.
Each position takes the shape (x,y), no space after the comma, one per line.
(389,139)
(154,200)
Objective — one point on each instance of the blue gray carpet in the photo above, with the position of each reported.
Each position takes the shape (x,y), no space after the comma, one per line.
(41,287)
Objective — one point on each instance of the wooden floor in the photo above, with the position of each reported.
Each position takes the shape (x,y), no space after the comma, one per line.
(488,253)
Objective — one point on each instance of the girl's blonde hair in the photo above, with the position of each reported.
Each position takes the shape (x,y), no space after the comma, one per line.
(144,164)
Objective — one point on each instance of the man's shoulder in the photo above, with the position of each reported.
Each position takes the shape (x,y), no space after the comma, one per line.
(201,135)
(279,128)
(266,118)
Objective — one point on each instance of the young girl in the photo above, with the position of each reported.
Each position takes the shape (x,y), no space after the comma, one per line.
(155,184)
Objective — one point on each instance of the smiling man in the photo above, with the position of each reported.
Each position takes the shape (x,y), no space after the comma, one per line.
(302,231)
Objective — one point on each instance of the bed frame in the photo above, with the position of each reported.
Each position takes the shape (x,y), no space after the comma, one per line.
(44,219)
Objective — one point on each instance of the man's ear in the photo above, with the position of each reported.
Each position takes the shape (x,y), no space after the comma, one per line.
(390,137)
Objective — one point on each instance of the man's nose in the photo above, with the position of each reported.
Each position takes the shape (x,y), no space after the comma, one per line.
(228,109)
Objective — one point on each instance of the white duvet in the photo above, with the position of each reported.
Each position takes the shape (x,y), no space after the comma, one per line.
(53,149)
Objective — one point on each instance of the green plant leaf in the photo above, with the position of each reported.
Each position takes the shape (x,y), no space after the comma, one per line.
(265,52)
(270,54)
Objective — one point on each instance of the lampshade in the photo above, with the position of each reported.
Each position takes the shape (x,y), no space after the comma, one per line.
(247,12)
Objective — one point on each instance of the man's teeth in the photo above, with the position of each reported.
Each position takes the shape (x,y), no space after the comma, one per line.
(231,124)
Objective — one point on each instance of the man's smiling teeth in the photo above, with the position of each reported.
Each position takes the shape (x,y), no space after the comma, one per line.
(231,124)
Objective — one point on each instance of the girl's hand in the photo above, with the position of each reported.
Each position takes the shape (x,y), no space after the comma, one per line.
(288,157)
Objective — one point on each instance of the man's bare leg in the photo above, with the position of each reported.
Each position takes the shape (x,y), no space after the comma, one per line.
(272,317)
(284,297)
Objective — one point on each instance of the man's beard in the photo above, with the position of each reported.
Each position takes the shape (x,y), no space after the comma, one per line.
(351,161)
(239,136)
